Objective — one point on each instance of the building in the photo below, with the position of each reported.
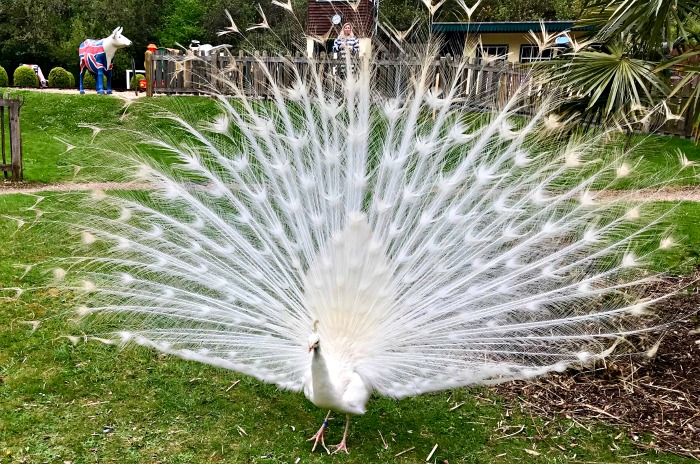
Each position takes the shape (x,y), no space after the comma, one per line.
(325,19)
(510,40)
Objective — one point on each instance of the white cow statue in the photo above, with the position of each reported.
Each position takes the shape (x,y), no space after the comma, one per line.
(96,57)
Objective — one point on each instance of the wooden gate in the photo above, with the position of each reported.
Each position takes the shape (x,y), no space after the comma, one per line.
(11,151)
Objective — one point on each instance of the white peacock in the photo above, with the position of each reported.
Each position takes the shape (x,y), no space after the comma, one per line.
(342,244)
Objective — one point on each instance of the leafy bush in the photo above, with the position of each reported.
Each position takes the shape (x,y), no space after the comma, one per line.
(89,81)
(25,77)
(4,80)
(60,78)
(134,82)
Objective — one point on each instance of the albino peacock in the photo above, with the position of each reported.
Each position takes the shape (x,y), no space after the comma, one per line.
(343,242)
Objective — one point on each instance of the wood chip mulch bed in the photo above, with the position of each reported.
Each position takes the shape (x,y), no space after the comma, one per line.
(658,397)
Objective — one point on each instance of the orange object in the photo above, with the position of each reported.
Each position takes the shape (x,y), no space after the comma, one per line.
(152,48)
(142,83)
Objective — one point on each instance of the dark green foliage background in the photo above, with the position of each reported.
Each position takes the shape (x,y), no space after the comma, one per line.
(48,32)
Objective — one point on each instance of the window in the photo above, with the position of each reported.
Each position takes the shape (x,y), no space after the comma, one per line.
(530,53)
(500,52)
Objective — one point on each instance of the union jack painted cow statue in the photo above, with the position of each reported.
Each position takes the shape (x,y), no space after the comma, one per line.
(96,58)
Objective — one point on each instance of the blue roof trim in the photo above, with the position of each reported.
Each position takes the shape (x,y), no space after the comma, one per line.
(524,26)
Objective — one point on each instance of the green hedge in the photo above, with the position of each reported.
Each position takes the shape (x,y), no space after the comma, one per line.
(4,79)
(25,76)
(134,82)
(59,78)
(89,81)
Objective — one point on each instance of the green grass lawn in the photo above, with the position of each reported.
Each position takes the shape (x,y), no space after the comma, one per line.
(49,121)
(93,402)
(90,402)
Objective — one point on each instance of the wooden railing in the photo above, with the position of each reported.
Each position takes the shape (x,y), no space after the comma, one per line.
(179,75)
(485,86)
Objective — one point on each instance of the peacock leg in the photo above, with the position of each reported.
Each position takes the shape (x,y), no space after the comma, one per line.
(320,435)
(343,445)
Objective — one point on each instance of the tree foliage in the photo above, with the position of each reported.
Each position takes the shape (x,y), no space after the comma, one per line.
(402,13)
(625,65)
(48,32)
(182,21)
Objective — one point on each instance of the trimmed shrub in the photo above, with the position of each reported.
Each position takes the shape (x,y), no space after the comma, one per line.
(89,81)
(134,82)
(72,80)
(25,76)
(4,79)
(60,78)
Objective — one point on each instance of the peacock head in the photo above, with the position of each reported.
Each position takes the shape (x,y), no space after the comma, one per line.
(314,339)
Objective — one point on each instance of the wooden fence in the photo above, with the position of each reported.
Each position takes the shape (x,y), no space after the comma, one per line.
(13,150)
(484,86)
(179,75)
(685,126)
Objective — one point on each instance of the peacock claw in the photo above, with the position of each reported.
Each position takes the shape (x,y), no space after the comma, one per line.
(320,437)
(342,446)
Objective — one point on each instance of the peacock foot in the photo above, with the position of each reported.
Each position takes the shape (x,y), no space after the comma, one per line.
(342,446)
(320,437)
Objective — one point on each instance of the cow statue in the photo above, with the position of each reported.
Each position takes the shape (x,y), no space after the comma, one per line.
(96,57)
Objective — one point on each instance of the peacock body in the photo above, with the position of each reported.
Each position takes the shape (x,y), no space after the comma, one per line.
(341,243)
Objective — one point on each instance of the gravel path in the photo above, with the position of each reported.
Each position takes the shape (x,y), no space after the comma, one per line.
(126,95)
(690,193)
(9,188)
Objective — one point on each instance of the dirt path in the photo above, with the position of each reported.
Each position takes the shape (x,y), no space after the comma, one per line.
(10,188)
(690,193)
(126,95)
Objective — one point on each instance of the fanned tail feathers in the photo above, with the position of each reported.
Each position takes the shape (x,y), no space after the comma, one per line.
(436,245)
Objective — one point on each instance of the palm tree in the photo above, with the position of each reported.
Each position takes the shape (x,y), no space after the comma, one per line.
(627,61)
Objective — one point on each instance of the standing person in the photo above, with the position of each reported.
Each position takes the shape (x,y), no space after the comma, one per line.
(346,42)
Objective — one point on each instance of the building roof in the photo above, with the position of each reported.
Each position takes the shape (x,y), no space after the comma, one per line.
(505,26)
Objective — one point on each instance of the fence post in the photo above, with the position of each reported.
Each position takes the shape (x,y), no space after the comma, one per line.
(15,142)
(15,166)
(148,66)
(2,138)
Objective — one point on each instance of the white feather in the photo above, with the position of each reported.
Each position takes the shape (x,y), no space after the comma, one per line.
(433,253)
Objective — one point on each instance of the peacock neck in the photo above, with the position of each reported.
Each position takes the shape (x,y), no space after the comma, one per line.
(324,391)
(319,368)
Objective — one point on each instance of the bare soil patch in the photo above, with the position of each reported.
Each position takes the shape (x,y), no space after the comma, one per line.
(659,397)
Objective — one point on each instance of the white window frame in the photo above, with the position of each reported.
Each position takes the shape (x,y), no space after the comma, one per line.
(535,54)
(485,48)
